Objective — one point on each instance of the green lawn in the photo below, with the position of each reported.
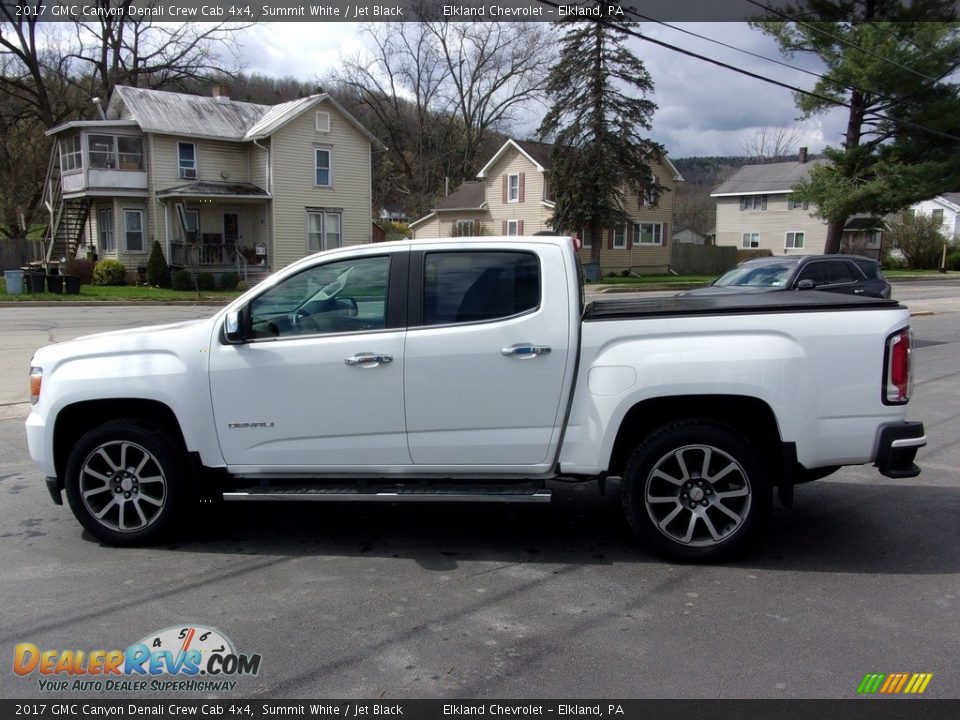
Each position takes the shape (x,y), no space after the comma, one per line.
(122,293)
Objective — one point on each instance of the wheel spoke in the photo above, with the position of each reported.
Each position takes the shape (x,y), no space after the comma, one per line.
(739,492)
(653,500)
(93,473)
(103,453)
(709,523)
(123,455)
(96,491)
(136,505)
(143,464)
(690,528)
(99,515)
(728,512)
(682,464)
(155,478)
(663,476)
(673,513)
(122,508)
(152,501)
(723,473)
(705,468)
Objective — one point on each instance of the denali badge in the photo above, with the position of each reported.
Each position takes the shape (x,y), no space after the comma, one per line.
(250,425)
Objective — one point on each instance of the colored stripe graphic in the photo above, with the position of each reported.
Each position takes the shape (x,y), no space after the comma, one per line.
(894,683)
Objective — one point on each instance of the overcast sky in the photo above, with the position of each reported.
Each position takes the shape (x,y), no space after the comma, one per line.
(703,109)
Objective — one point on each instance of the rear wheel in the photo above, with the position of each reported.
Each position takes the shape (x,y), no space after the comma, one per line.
(125,482)
(696,492)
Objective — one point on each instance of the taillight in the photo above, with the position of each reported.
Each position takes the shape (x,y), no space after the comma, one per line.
(898,378)
(36,379)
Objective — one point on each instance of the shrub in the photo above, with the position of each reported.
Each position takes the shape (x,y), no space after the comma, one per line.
(82,269)
(625,272)
(917,238)
(181,280)
(953,260)
(158,274)
(205,281)
(109,272)
(611,274)
(229,281)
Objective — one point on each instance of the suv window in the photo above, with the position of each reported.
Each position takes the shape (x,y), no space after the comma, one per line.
(813,271)
(870,268)
(484,285)
(337,297)
(840,271)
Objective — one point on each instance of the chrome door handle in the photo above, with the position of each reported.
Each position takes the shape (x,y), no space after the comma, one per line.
(368,360)
(858,292)
(525,350)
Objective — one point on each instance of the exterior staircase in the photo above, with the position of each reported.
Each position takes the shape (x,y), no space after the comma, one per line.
(67,217)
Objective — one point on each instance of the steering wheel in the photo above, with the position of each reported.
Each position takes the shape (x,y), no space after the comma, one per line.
(335,288)
(304,321)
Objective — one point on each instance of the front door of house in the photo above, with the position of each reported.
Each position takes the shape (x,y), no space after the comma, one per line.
(231,233)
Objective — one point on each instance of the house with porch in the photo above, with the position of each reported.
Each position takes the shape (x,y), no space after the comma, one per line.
(224,186)
(513,195)
(757,210)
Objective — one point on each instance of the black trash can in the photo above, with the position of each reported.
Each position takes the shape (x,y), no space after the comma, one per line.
(71,285)
(35,281)
(55,284)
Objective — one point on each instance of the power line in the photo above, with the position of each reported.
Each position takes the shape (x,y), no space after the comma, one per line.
(841,40)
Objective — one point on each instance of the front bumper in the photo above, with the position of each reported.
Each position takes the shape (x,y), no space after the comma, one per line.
(897,446)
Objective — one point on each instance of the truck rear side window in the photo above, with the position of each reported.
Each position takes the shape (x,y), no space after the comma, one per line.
(460,287)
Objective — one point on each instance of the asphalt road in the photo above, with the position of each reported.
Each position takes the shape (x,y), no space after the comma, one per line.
(863,575)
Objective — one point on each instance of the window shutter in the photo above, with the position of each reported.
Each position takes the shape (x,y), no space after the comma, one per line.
(743,202)
(664,234)
(504,178)
(629,235)
(523,177)
(610,239)
(656,191)
(503,225)
(763,202)
(520,222)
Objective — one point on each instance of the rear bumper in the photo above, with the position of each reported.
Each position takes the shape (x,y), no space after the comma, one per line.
(897,446)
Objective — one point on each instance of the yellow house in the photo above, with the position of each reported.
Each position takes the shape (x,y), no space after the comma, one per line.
(513,196)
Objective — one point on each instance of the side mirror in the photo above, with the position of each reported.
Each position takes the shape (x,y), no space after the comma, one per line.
(806,285)
(233,327)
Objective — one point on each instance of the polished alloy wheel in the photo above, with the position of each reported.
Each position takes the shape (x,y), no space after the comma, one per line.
(122,486)
(698,495)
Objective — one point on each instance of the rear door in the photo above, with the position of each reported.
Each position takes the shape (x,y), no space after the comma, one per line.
(488,355)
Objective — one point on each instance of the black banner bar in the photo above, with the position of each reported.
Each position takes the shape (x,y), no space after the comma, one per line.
(856,709)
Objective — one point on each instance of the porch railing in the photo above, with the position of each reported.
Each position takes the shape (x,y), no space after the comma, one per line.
(184,255)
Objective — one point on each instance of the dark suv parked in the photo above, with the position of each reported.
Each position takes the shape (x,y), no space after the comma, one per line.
(849,274)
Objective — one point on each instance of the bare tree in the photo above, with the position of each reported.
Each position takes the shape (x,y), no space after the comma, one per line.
(772,143)
(437,91)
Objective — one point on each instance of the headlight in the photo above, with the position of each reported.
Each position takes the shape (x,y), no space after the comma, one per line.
(36,379)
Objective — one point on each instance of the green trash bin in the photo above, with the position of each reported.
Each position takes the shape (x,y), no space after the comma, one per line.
(14,281)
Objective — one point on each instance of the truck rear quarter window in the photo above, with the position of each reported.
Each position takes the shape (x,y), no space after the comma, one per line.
(463,287)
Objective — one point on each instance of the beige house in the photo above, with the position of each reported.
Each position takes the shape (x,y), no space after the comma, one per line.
(513,196)
(222,185)
(756,210)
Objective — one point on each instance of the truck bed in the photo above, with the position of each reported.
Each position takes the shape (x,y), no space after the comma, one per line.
(733,304)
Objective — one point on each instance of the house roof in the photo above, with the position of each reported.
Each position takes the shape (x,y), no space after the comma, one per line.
(952,197)
(91,125)
(768,179)
(172,113)
(469,196)
(863,221)
(540,155)
(206,188)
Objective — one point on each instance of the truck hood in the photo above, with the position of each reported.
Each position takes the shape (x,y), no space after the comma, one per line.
(171,338)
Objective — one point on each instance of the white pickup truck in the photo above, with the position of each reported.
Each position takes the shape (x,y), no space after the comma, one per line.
(471,370)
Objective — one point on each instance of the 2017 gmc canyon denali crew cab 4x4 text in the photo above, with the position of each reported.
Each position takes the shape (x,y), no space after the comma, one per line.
(472,370)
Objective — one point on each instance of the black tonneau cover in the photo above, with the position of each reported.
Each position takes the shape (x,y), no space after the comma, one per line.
(734,304)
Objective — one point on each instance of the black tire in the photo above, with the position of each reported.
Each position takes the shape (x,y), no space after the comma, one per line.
(127,482)
(715,515)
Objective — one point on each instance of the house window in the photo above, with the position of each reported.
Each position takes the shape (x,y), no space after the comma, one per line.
(513,227)
(620,238)
(102,151)
(513,188)
(129,153)
(587,240)
(187,160)
(750,240)
(323,122)
(648,233)
(651,194)
(794,240)
(795,203)
(105,230)
(133,230)
(753,202)
(464,228)
(323,163)
(71,156)
(937,216)
(323,230)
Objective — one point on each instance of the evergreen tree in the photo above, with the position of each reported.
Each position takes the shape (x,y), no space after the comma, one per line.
(158,274)
(888,61)
(598,110)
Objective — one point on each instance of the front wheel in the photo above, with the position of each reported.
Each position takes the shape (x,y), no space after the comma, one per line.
(125,482)
(696,492)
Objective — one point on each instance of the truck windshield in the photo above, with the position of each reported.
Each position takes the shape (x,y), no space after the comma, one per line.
(766,275)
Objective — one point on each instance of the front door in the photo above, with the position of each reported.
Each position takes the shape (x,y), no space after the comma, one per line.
(231,234)
(486,369)
(319,383)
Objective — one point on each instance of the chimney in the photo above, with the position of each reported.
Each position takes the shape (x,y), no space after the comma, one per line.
(221,93)
(803,155)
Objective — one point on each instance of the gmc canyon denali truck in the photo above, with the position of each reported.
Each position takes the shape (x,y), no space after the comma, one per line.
(472,370)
